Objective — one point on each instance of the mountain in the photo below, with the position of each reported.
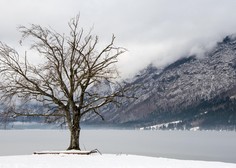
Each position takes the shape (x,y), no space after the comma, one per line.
(189,93)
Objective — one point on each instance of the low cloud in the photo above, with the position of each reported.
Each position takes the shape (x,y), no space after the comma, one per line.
(153,31)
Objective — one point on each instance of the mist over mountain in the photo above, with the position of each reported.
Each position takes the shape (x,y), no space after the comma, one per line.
(190,93)
(153,31)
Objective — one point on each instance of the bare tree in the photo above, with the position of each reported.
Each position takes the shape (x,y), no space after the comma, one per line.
(63,83)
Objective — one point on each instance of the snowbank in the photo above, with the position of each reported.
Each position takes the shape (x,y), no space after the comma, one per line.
(103,161)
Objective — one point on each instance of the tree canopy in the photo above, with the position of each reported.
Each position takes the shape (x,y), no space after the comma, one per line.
(64,83)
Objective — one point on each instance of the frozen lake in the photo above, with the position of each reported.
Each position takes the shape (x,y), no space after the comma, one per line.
(194,145)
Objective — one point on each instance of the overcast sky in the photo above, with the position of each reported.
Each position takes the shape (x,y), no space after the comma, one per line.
(153,31)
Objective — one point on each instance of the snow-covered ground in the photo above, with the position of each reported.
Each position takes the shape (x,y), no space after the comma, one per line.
(103,161)
(159,126)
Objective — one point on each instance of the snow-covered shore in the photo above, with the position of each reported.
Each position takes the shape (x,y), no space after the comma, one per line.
(103,161)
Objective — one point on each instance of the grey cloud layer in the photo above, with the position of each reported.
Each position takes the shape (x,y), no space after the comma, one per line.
(154,31)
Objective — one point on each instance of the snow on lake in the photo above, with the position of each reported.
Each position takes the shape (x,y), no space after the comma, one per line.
(190,145)
(103,161)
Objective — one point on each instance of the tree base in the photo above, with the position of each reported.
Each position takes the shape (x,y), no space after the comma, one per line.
(73,148)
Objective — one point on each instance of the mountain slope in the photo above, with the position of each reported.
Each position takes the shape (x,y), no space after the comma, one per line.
(199,92)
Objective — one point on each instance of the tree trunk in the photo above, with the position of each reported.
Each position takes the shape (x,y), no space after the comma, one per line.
(74,138)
